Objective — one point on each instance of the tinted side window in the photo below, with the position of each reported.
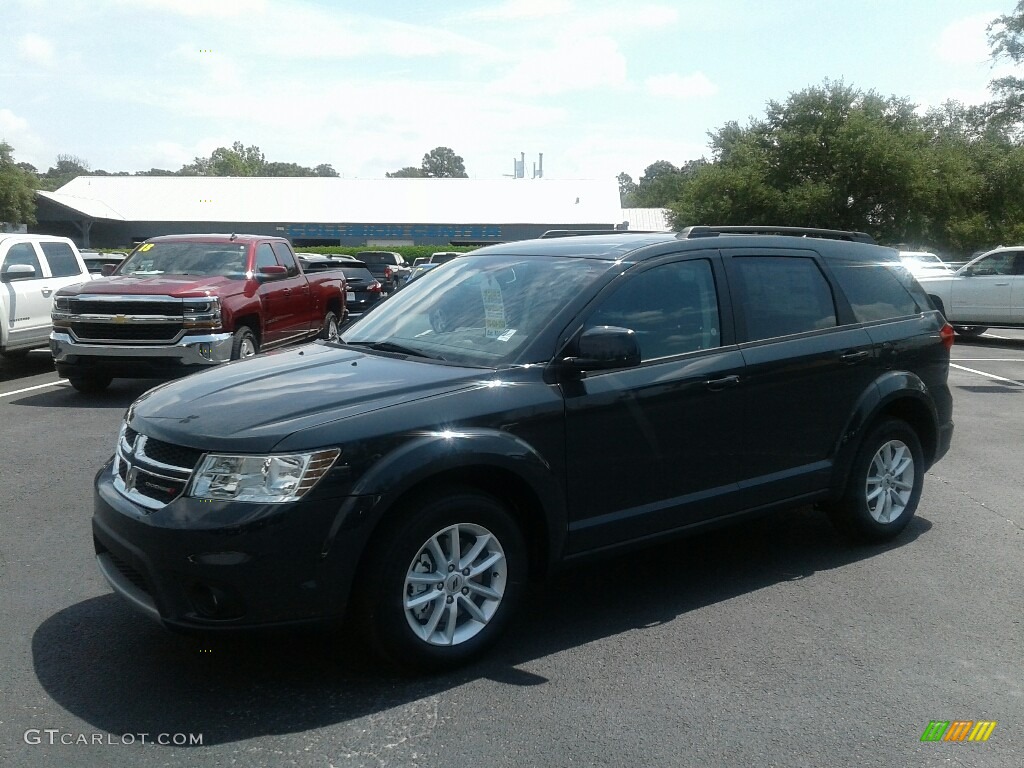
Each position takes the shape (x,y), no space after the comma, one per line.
(874,291)
(61,259)
(265,256)
(22,253)
(783,295)
(284,256)
(673,309)
(997,264)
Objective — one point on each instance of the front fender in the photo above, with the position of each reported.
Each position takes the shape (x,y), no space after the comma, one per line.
(440,453)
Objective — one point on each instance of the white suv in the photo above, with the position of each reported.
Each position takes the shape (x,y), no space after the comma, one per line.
(32,269)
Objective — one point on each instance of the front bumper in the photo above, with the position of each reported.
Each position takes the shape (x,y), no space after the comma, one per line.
(197,564)
(191,353)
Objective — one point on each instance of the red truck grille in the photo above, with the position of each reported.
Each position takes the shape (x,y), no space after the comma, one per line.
(150,332)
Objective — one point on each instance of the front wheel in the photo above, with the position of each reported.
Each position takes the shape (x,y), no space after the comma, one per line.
(884,486)
(244,344)
(970,330)
(439,584)
(90,383)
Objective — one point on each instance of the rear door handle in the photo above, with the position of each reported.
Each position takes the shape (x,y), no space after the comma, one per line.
(854,357)
(716,385)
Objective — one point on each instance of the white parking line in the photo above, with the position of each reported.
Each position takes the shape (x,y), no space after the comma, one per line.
(990,359)
(38,386)
(987,375)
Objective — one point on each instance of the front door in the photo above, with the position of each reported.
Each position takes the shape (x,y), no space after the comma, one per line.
(28,300)
(654,445)
(984,291)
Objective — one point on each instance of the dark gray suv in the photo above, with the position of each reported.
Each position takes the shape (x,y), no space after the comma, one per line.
(521,407)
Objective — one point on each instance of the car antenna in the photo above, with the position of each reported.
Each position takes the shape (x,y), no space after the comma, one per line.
(233,236)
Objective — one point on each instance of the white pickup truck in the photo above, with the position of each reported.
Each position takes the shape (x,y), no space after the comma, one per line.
(987,292)
(32,269)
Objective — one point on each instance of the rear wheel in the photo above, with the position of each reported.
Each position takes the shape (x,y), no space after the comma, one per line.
(329,331)
(244,344)
(884,486)
(439,584)
(90,382)
(970,330)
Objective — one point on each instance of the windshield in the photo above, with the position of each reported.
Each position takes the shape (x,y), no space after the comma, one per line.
(477,310)
(369,257)
(225,259)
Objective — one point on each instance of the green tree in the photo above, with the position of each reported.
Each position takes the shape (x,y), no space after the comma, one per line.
(409,172)
(325,169)
(626,187)
(64,170)
(829,156)
(17,189)
(238,160)
(442,162)
(1006,40)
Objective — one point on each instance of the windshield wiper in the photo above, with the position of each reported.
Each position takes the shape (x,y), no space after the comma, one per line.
(390,346)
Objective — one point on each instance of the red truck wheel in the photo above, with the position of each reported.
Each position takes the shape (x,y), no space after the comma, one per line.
(244,344)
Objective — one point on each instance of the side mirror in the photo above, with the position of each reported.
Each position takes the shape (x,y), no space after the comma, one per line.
(108,269)
(18,272)
(273,271)
(606,347)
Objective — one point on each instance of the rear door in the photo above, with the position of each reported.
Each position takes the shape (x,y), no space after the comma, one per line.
(301,309)
(804,372)
(64,265)
(28,300)
(654,446)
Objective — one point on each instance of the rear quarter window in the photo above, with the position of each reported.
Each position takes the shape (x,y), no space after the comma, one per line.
(879,291)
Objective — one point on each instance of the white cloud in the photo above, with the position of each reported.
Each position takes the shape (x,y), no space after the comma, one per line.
(965,41)
(676,86)
(590,63)
(36,50)
(518,10)
(17,132)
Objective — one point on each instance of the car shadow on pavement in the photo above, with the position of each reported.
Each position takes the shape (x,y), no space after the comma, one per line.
(123,674)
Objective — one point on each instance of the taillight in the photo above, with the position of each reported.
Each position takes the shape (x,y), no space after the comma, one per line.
(374,287)
(946,336)
(388,272)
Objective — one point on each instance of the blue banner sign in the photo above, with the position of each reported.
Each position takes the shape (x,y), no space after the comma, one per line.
(395,231)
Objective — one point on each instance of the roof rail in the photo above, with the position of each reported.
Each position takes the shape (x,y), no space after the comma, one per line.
(582,232)
(829,234)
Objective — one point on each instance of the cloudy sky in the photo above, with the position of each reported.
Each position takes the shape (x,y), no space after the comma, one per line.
(598,86)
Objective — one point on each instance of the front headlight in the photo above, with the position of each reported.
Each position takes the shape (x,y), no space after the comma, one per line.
(267,479)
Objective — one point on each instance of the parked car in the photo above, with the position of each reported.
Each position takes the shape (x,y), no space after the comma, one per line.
(526,406)
(362,289)
(388,267)
(95,261)
(441,257)
(987,292)
(32,269)
(182,303)
(924,264)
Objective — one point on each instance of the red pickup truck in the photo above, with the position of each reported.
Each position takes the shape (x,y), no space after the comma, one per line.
(182,303)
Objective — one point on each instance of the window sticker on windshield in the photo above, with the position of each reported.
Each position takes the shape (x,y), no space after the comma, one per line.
(494,309)
(507,334)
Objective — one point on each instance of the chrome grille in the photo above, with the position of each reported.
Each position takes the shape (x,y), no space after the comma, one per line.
(150,472)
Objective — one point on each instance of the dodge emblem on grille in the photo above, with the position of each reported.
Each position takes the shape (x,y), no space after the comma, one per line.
(130,478)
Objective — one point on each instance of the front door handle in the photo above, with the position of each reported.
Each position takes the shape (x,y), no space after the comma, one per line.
(716,385)
(46,291)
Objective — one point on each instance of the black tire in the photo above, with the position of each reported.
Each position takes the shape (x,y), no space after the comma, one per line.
(970,331)
(244,344)
(881,466)
(90,383)
(447,634)
(329,331)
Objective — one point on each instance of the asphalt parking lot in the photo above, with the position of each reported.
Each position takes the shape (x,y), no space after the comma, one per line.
(773,644)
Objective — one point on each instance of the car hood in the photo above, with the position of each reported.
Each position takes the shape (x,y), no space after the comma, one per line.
(162,285)
(252,405)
